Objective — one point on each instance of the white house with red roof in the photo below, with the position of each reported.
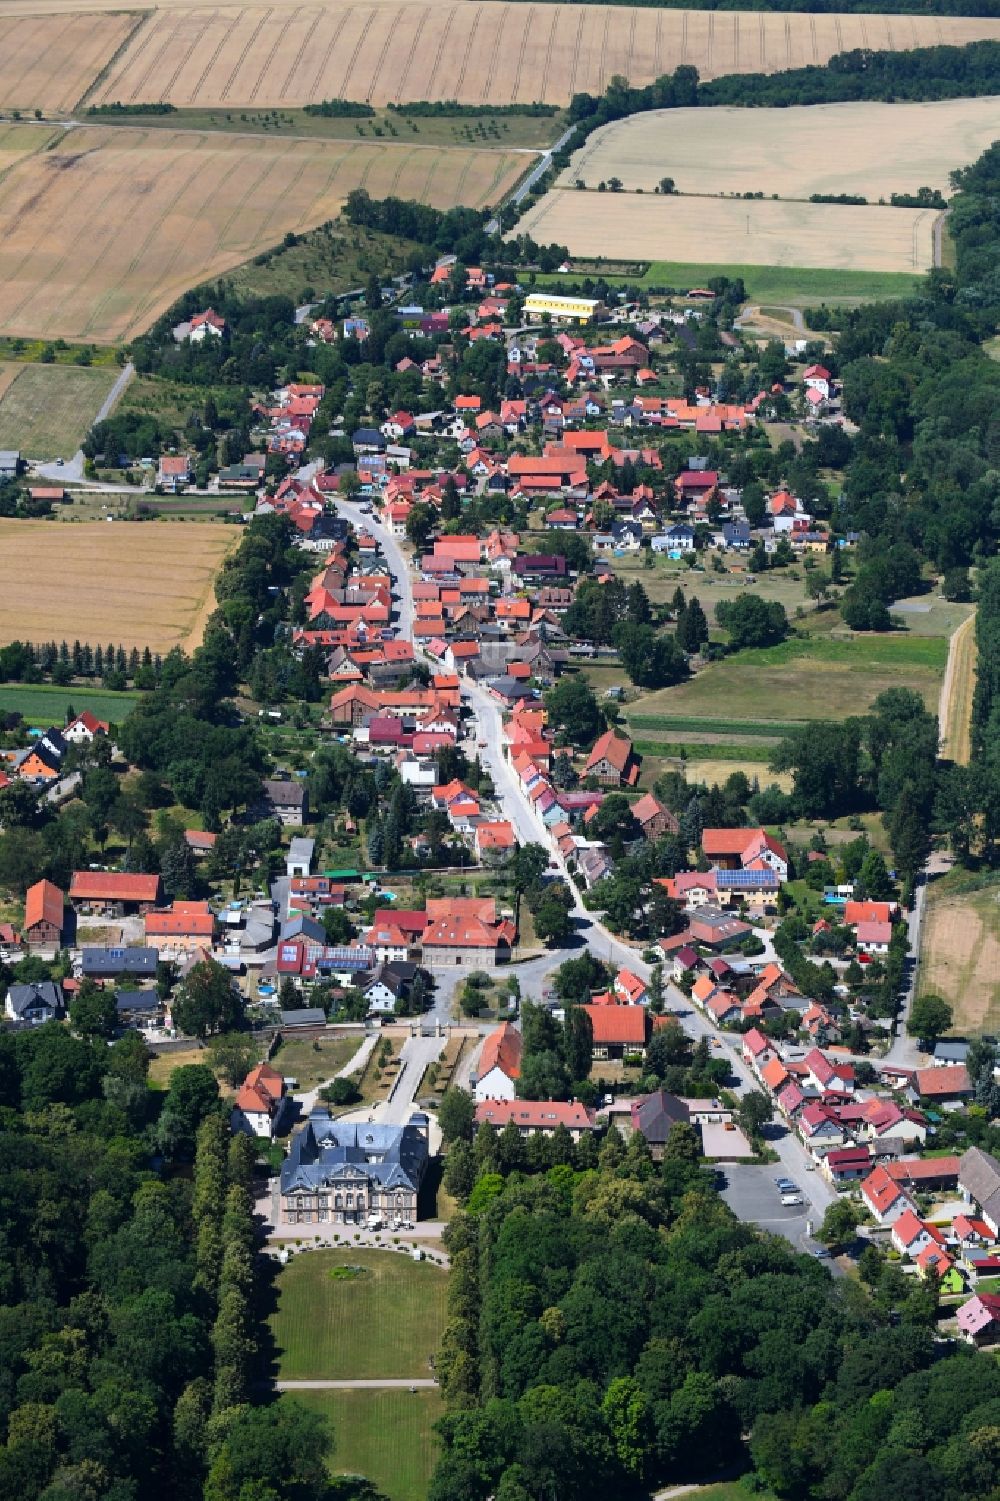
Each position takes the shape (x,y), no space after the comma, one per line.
(259,1102)
(885,1198)
(630,988)
(758,1050)
(206,325)
(499,1065)
(536,1117)
(910,1234)
(818,378)
(827,1077)
(84,728)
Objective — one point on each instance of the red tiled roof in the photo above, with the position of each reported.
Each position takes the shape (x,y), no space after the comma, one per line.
(544,1115)
(113,886)
(939,1082)
(261,1090)
(43,902)
(502,1050)
(611,747)
(618,1025)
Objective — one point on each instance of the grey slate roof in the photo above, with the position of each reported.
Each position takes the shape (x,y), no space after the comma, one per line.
(657,1114)
(134,1001)
(120,961)
(305,1016)
(394,1156)
(979,1176)
(951,1050)
(24,998)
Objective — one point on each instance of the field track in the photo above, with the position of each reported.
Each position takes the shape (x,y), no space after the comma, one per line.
(955,713)
(100,234)
(388,50)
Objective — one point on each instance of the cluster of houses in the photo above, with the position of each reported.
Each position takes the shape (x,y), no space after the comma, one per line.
(653,1116)
(40,761)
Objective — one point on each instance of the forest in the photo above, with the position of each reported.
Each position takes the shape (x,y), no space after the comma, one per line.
(127,1325)
(613,1328)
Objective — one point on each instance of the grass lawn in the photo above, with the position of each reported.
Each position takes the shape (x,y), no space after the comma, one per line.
(161,1067)
(754,752)
(387,1436)
(826,677)
(793,285)
(45,704)
(313,1060)
(730,728)
(383,1323)
(47,409)
(389,126)
(784,585)
(710,769)
(727,1490)
(29,351)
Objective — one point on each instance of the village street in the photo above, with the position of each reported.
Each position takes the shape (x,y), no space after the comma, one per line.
(591,933)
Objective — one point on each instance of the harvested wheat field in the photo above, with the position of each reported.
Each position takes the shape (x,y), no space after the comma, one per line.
(718,231)
(871,149)
(49,62)
(101,234)
(960,957)
(478,53)
(140,583)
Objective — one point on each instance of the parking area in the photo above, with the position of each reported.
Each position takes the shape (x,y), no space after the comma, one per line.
(752,1195)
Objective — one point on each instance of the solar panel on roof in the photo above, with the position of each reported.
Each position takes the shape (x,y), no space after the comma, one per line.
(746,880)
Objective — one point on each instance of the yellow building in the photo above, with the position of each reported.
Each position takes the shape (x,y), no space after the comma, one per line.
(561,309)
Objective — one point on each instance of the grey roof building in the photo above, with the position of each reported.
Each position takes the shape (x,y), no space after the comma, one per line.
(304,1016)
(341,1172)
(34,1004)
(979,1180)
(951,1050)
(656,1115)
(108,963)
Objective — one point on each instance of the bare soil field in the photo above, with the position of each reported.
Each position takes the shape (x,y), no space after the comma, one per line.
(49,62)
(475,52)
(46,411)
(960,957)
(716,231)
(100,234)
(872,149)
(141,584)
